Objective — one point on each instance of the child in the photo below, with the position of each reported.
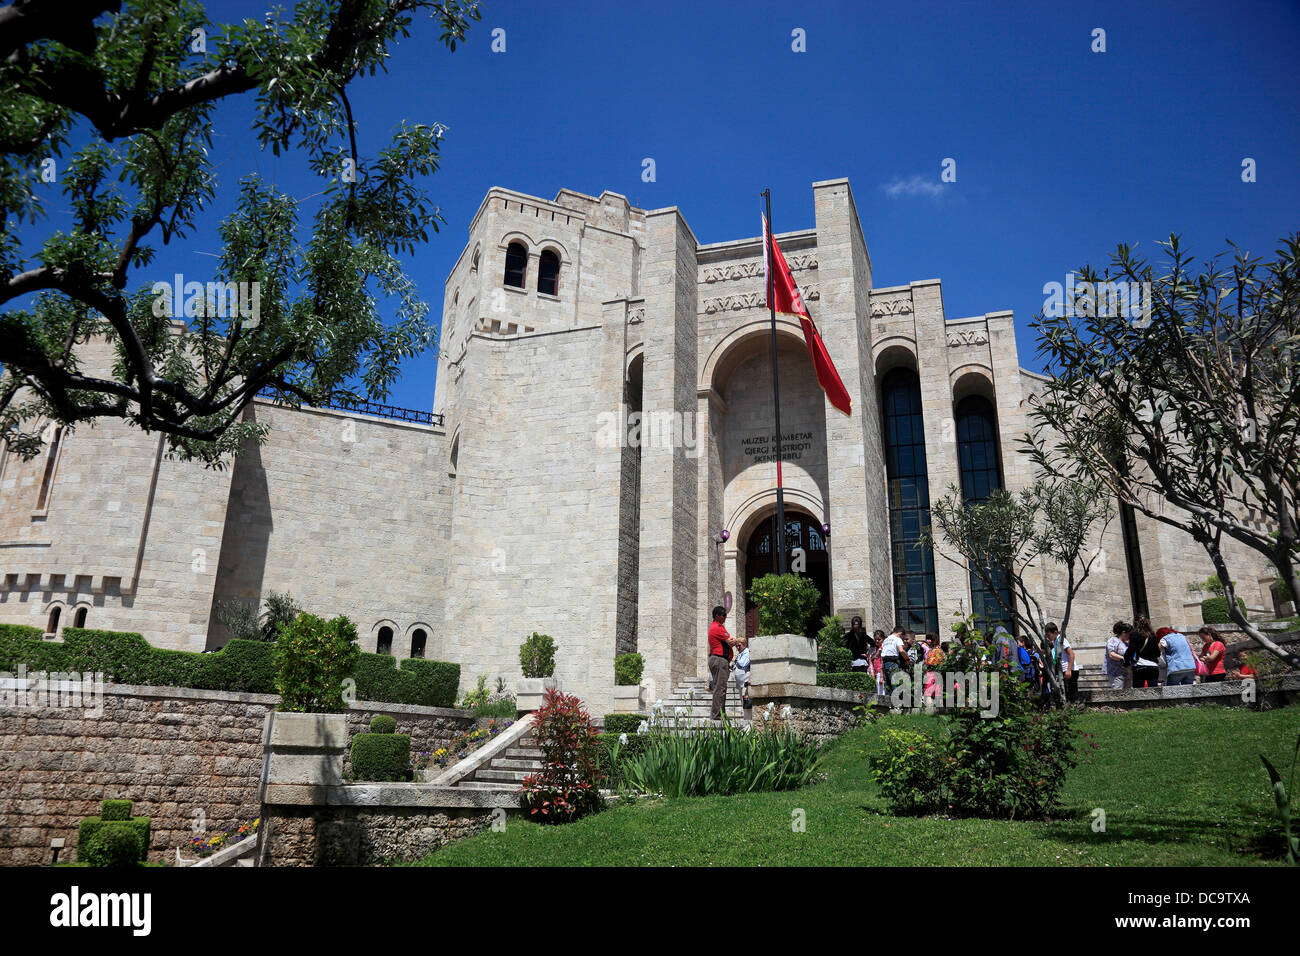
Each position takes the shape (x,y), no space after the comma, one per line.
(740,670)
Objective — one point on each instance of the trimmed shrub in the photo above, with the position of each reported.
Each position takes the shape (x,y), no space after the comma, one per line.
(429,683)
(537,656)
(908,768)
(21,644)
(623,723)
(628,669)
(312,659)
(380,756)
(244,666)
(1214,610)
(849,680)
(832,632)
(177,669)
(113,844)
(833,660)
(383,724)
(784,601)
(121,656)
(115,810)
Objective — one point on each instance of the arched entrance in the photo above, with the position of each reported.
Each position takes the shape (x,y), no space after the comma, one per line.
(760,558)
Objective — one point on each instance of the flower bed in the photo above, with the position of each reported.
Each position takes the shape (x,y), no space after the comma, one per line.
(206,846)
(459,747)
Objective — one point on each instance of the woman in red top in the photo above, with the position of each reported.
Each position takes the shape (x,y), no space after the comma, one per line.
(1212,651)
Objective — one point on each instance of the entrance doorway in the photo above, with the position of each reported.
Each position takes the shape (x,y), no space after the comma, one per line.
(760,559)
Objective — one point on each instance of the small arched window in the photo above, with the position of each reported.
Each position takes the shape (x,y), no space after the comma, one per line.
(79,619)
(385,643)
(418,640)
(52,626)
(516,264)
(548,273)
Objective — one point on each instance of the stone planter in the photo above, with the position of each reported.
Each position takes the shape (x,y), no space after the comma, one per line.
(306,749)
(783,659)
(528,694)
(627,698)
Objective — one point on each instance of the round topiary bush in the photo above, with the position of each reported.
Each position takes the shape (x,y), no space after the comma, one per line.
(113,845)
(383,724)
(1214,610)
(628,669)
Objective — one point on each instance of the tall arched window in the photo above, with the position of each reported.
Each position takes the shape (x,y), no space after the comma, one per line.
(548,273)
(418,640)
(908,487)
(385,643)
(516,264)
(981,473)
(47,478)
(79,619)
(52,625)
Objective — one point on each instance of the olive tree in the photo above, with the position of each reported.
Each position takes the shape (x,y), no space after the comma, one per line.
(113,104)
(1008,538)
(1187,409)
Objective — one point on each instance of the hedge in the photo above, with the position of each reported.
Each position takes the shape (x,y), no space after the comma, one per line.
(381,757)
(241,666)
(849,680)
(623,723)
(1214,610)
(833,660)
(112,845)
(115,815)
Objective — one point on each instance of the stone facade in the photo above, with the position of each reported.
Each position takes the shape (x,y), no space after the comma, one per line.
(532,507)
(185,757)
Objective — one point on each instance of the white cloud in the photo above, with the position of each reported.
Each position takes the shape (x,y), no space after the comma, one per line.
(914,186)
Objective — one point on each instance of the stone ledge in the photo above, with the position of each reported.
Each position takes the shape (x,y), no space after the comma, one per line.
(1228,691)
(378,795)
(805,692)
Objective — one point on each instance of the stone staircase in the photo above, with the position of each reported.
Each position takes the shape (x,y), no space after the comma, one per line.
(689,706)
(507,769)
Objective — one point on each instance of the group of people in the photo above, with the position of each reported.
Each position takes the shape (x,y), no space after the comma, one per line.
(1133,657)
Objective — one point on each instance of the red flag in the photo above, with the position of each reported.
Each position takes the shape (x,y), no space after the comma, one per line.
(789,302)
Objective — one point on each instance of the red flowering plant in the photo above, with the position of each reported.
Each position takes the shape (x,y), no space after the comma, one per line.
(568,785)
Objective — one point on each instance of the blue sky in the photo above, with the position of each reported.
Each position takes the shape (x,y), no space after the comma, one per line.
(1060,152)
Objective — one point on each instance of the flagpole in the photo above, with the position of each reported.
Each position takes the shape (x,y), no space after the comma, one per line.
(776,391)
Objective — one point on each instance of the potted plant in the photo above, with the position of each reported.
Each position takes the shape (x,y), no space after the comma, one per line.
(781,653)
(537,658)
(313,659)
(627,683)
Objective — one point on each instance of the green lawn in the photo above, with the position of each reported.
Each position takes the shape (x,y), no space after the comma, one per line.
(1179,786)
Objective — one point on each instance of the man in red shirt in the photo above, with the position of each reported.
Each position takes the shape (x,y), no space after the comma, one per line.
(719,660)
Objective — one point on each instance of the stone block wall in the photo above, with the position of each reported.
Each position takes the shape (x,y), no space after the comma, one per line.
(362,836)
(181,755)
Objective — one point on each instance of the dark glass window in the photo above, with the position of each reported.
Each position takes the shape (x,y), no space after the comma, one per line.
(417,643)
(385,643)
(79,619)
(908,487)
(548,273)
(53,623)
(981,473)
(516,264)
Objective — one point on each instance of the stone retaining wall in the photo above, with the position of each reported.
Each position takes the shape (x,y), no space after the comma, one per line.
(184,756)
(821,712)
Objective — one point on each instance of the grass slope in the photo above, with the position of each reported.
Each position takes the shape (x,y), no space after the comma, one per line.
(1179,786)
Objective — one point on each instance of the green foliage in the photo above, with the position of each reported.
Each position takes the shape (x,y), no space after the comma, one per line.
(478,696)
(121,657)
(1009,764)
(278,611)
(244,623)
(784,601)
(568,785)
(909,769)
(1283,794)
(383,724)
(20,644)
(1281,592)
(312,658)
(381,756)
(612,752)
(537,656)
(832,632)
(419,681)
(628,669)
(246,667)
(90,826)
(1214,610)
(623,723)
(112,845)
(1211,585)
(127,108)
(833,660)
(727,761)
(115,810)
(849,680)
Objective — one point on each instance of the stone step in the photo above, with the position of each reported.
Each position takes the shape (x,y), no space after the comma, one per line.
(487,785)
(492,774)
(509,762)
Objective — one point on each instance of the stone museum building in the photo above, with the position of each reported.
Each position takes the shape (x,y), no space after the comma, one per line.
(597,465)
